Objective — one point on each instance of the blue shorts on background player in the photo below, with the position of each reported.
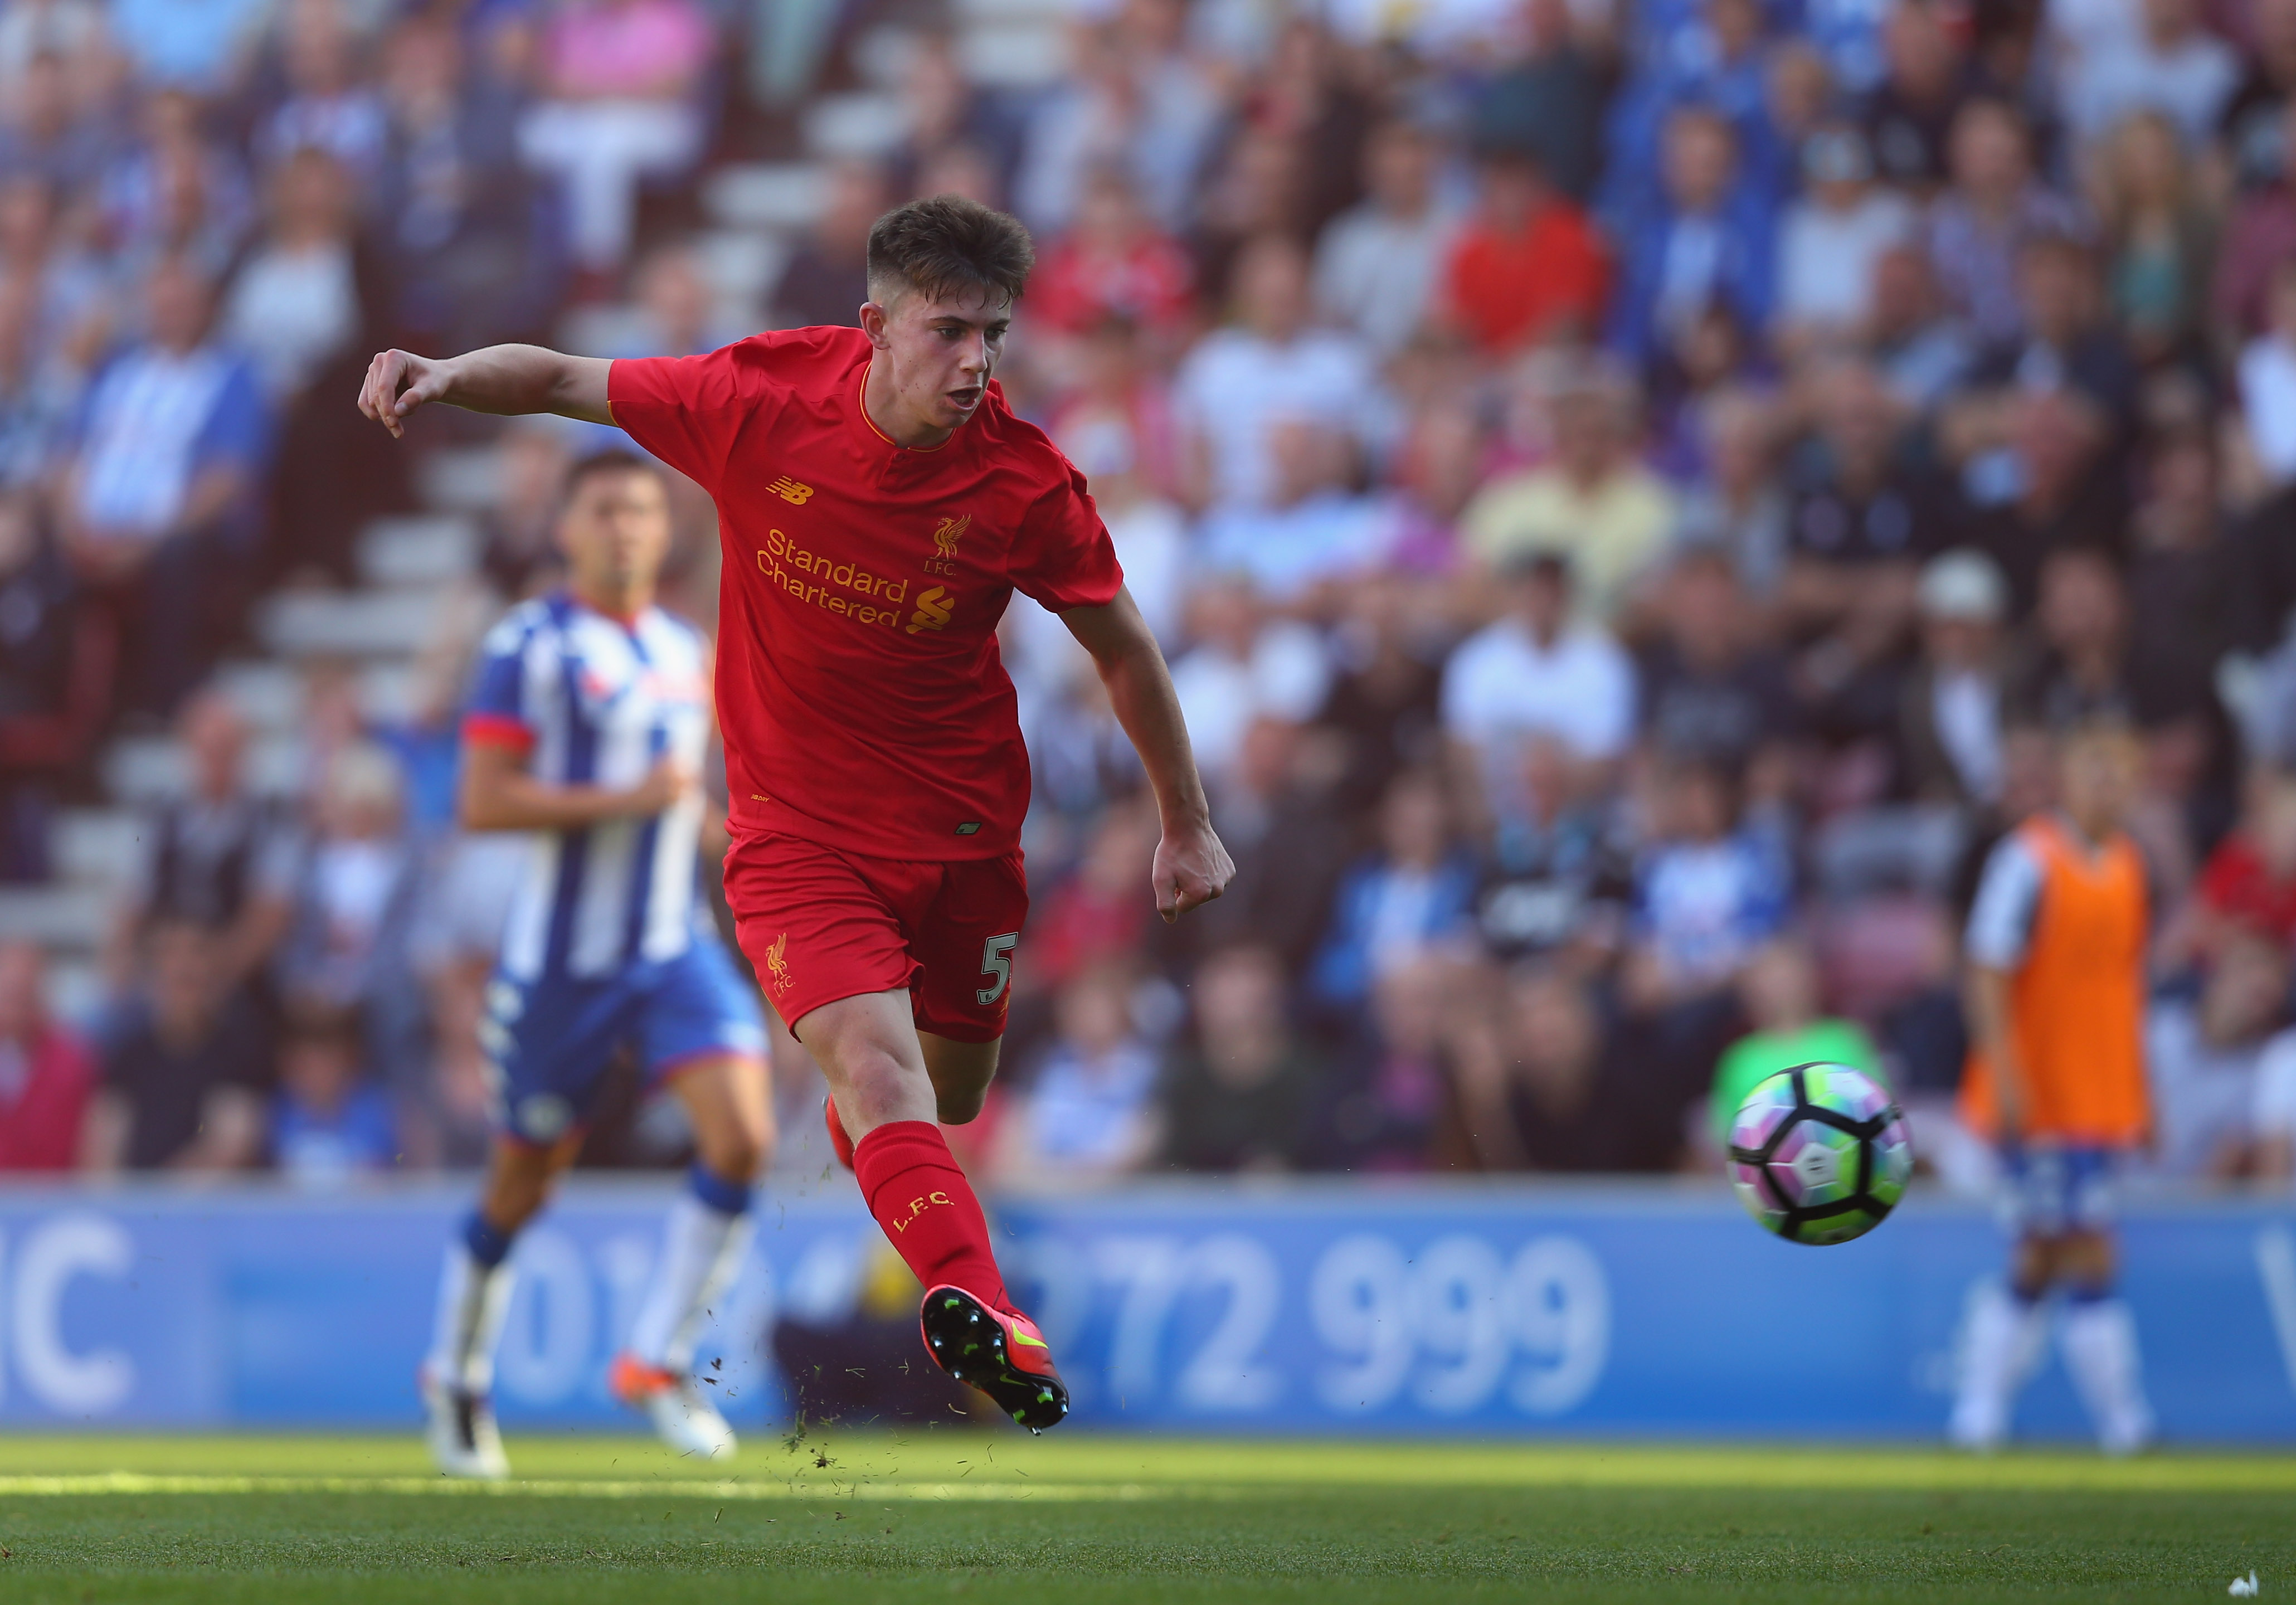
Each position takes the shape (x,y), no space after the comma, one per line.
(548,1042)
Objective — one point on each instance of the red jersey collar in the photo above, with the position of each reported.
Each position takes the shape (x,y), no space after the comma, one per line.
(861,411)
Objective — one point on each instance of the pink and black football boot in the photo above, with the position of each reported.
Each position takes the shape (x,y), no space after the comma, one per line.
(1003,1355)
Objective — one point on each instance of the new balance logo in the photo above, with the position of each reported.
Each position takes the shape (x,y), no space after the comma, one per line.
(791,491)
(933,609)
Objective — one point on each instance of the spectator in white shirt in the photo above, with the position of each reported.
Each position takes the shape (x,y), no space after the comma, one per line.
(1314,530)
(1270,365)
(2171,64)
(2272,1113)
(1090,1112)
(1378,263)
(1140,104)
(1833,237)
(1950,713)
(621,83)
(328,106)
(295,302)
(1245,666)
(1532,674)
(161,500)
(2268,382)
(2206,1060)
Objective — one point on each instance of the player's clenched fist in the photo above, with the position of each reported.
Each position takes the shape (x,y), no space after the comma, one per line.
(398,382)
(1192,869)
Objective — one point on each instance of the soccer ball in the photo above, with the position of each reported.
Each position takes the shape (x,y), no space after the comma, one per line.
(1818,1153)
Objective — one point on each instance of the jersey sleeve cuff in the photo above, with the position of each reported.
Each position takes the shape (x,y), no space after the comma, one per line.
(497,730)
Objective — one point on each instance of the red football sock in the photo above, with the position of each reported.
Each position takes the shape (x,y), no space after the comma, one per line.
(839,1143)
(928,1209)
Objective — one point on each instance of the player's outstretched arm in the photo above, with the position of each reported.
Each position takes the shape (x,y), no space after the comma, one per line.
(505,380)
(1192,867)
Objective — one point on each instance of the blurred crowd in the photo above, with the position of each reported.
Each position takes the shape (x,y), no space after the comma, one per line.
(1626,491)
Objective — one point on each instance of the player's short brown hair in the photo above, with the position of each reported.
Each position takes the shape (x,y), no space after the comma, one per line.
(946,245)
(606,460)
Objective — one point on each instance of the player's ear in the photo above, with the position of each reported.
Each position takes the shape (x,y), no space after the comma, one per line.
(875,317)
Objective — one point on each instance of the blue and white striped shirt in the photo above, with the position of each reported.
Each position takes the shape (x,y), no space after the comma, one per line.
(597,702)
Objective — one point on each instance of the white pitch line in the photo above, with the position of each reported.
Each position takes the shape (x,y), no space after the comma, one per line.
(139,1482)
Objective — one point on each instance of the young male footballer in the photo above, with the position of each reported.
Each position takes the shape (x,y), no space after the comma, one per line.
(2057,942)
(587,729)
(878,504)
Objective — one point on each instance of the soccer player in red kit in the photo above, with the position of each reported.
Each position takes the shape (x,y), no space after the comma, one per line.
(878,504)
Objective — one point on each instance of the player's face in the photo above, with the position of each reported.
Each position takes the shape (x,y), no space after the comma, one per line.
(615,532)
(939,351)
(2096,779)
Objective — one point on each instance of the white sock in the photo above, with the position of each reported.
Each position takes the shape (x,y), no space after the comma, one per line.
(472,1301)
(2099,1343)
(700,1249)
(1998,1343)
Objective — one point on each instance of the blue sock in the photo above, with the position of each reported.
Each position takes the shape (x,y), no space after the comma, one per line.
(487,1245)
(726,1198)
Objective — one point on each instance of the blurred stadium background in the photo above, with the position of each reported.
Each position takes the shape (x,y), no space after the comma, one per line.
(1622,486)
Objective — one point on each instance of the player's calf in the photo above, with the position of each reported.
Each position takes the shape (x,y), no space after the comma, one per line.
(701,1252)
(961,1073)
(703,1243)
(457,1376)
(841,1141)
(2097,1336)
(474,1288)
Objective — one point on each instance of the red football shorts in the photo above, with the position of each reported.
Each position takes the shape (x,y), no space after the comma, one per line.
(820,923)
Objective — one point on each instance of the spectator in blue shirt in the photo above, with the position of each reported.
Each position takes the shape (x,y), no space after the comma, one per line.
(1416,893)
(1548,101)
(328,1122)
(45,139)
(472,241)
(203,45)
(1710,893)
(1710,242)
(160,501)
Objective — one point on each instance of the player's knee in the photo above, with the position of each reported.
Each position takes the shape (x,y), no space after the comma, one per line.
(737,1153)
(2086,1261)
(873,1087)
(2034,1267)
(509,1205)
(519,1184)
(960,1106)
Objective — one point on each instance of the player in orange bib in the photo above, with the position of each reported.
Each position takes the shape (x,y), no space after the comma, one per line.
(2056,947)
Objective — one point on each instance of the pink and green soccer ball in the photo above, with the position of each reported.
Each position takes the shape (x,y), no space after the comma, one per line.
(1818,1153)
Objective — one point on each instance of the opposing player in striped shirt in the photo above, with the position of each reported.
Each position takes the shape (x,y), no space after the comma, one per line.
(587,729)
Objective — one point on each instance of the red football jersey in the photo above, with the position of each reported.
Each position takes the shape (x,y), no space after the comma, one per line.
(860,686)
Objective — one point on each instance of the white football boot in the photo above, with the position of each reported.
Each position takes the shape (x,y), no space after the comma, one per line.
(681,1412)
(461,1432)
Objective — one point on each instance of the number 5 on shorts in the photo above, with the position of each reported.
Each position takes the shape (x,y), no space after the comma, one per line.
(997,960)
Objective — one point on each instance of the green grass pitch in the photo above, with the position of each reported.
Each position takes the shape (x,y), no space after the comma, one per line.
(853,1518)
